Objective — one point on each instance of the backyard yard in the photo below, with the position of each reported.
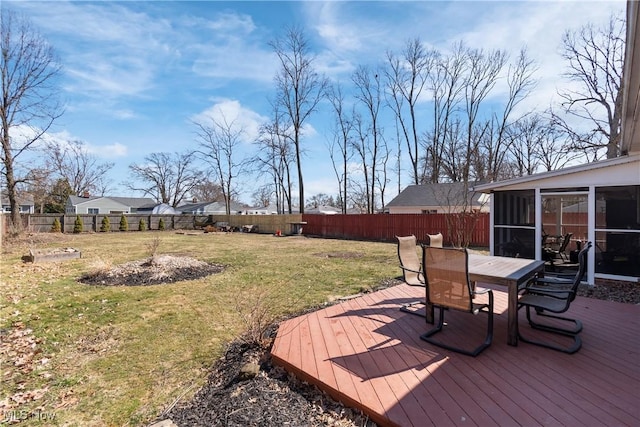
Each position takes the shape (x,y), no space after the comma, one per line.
(97,341)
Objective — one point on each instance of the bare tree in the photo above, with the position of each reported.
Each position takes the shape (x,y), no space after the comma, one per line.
(263,195)
(206,189)
(168,178)
(446,84)
(39,185)
(219,143)
(595,59)
(28,104)
(82,170)
(371,145)
(343,127)
(483,72)
(275,157)
(407,77)
(494,147)
(299,89)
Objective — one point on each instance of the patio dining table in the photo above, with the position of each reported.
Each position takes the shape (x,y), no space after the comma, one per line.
(505,271)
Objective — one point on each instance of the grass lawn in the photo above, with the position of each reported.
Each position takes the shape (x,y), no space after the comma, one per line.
(120,355)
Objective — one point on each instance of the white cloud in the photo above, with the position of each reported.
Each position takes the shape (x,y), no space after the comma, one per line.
(110,151)
(234,113)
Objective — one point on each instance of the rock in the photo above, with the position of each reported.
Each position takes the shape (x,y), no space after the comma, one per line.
(164,423)
(248,371)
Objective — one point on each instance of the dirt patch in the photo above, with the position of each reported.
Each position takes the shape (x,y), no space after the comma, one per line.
(344,255)
(152,271)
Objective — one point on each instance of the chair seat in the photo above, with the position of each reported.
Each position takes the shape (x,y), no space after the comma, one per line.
(544,302)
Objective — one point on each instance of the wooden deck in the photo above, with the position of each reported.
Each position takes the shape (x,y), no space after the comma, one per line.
(367,354)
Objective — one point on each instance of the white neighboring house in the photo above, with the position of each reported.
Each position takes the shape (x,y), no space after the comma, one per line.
(264,210)
(436,199)
(106,205)
(211,208)
(323,210)
(25,204)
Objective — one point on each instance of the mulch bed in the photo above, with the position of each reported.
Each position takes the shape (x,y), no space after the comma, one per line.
(161,269)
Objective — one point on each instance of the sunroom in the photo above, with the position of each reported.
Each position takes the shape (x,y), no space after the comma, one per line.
(597,202)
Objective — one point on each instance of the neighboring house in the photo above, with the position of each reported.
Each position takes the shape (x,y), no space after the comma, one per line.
(323,210)
(158,209)
(597,202)
(437,198)
(211,208)
(25,203)
(265,210)
(106,205)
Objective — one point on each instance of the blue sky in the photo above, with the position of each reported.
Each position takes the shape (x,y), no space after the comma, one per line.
(136,74)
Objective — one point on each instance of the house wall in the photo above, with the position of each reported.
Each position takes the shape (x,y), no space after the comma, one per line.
(104,205)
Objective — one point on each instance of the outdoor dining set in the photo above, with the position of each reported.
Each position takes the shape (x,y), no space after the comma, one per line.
(449,276)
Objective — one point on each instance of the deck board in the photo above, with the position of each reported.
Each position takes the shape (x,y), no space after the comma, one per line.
(369,355)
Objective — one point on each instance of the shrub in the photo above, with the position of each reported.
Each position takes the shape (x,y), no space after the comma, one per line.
(161,224)
(77,225)
(56,227)
(142,225)
(124,225)
(106,224)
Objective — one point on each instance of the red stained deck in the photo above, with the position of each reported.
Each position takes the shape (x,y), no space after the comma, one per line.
(368,354)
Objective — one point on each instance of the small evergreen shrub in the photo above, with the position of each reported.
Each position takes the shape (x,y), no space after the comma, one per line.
(56,227)
(77,225)
(161,224)
(124,225)
(106,224)
(142,225)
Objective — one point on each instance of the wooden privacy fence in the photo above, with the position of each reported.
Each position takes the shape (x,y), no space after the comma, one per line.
(42,223)
(470,228)
(474,228)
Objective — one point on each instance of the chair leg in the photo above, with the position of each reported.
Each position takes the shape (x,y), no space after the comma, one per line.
(486,343)
(573,331)
(406,308)
(574,347)
(577,343)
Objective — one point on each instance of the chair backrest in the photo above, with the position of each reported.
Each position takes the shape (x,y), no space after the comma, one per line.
(435,240)
(565,242)
(447,272)
(582,269)
(409,259)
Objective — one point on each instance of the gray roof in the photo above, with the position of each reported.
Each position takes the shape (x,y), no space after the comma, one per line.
(23,199)
(133,202)
(210,207)
(442,194)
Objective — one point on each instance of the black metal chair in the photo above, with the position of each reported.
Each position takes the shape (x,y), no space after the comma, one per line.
(553,294)
(561,252)
(447,274)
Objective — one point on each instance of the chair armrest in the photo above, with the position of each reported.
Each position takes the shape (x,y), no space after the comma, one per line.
(481,291)
(411,270)
(548,292)
(551,281)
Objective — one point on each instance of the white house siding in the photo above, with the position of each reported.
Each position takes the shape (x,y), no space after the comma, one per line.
(103,204)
